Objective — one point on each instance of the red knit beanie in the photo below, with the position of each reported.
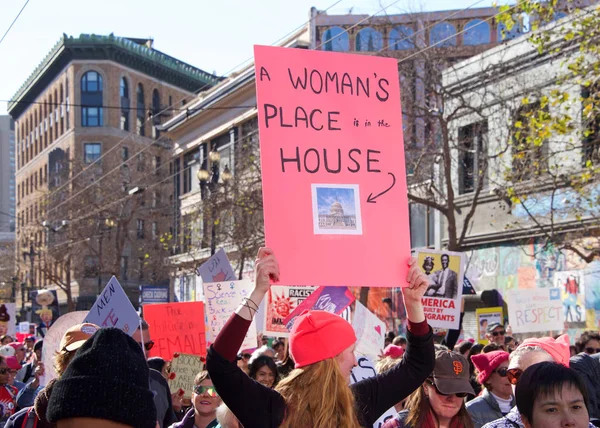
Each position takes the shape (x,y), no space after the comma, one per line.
(319,335)
(487,363)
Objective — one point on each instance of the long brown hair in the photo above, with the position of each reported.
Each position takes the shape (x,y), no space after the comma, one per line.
(318,396)
(418,408)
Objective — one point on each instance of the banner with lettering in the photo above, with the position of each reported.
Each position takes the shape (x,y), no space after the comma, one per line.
(331,135)
(280,302)
(222,299)
(184,368)
(572,292)
(442,300)
(330,299)
(536,309)
(176,328)
(216,269)
(370,332)
(114,309)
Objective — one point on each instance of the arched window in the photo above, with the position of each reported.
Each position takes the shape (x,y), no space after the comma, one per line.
(504,34)
(440,32)
(124,94)
(335,39)
(141,107)
(369,40)
(91,99)
(155,113)
(476,32)
(401,38)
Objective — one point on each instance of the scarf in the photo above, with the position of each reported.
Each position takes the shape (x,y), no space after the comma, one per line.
(431,423)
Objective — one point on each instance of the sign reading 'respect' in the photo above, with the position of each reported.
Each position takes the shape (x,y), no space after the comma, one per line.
(333,173)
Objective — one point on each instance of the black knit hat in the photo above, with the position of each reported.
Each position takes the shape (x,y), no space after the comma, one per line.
(107,379)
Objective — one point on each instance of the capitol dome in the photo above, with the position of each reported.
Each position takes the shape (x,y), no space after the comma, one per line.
(336,209)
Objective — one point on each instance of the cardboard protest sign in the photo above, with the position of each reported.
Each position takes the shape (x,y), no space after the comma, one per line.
(184,368)
(176,328)
(8,319)
(330,299)
(216,269)
(331,135)
(280,302)
(442,300)
(485,317)
(53,337)
(370,332)
(536,309)
(44,304)
(114,309)
(390,414)
(572,291)
(365,369)
(222,299)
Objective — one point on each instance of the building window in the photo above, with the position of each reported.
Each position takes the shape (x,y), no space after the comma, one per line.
(191,165)
(140,229)
(442,35)
(401,38)
(369,40)
(154,230)
(504,34)
(141,107)
(155,113)
(476,32)
(591,124)
(124,93)
(422,230)
(156,165)
(472,150)
(91,152)
(335,39)
(141,162)
(528,155)
(124,153)
(124,267)
(91,99)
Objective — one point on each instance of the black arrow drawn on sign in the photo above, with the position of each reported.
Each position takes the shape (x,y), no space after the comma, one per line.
(372,199)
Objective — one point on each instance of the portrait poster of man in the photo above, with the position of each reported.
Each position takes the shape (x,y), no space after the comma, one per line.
(445,270)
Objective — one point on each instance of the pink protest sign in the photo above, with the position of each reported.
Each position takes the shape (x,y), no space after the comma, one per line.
(334,183)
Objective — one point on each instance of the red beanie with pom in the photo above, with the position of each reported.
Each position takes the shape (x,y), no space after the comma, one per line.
(487,363)
(319,335)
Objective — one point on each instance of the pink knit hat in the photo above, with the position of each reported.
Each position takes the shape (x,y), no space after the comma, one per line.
(558,349)
(393,351)
(487,363)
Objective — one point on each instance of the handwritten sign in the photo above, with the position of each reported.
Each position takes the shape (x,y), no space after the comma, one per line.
(370,332)
(331,135)
(538,309)
(114,309)
(216,269)
(176,328)
(53,337)
(184,368)
(485,317)
(442,300)
(281,301)
(222,299)
(572,291)
(364,370)
(330,299)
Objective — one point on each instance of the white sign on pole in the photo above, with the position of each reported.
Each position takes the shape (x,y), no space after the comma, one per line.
(370,332)
(537,309)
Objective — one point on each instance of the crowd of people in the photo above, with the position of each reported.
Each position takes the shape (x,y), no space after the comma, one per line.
(104,378)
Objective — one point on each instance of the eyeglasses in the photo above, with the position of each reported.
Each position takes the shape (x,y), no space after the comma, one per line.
(458,394)
(246,356)
(502,371)
(592,351)
(4,371)
(514,375)
(148,345)
(208,390)
(498,333)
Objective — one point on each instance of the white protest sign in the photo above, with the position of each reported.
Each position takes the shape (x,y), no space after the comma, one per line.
(370,332)
(573,294)
(24,327)
(114,309)
(537,309)
(222,299)
(216,269)
(280,302)
(53,337)
(390,414)
(442,300)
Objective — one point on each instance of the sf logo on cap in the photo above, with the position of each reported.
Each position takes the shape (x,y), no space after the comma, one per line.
(458,367)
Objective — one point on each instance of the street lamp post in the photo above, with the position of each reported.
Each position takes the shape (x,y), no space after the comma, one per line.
(30,253)
(209,182)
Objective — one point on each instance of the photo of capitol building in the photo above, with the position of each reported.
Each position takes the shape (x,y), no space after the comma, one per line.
(337,219)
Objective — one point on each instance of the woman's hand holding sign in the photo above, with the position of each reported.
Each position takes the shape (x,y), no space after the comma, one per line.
(413,294)
(267,269)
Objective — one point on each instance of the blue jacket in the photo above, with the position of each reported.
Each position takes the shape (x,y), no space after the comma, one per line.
(484,409)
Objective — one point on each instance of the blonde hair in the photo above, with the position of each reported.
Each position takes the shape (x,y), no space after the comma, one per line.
(318,395)
(386,363)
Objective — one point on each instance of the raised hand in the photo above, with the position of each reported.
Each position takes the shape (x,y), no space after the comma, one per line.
(417,286)
(266,268)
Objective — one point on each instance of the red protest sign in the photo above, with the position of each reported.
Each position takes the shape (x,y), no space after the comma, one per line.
(333,175)
(176,328)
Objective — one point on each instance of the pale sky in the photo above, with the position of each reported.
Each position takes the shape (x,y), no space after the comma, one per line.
(215,36)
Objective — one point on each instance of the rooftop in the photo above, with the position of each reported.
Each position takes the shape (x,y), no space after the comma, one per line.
(131,52)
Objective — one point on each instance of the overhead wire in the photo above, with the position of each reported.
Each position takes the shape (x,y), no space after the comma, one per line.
(13,22)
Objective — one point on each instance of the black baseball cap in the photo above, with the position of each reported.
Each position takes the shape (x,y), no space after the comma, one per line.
(493,326)
(451,373)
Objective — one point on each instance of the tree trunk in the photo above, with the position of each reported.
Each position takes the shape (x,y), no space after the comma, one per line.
(70,303)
